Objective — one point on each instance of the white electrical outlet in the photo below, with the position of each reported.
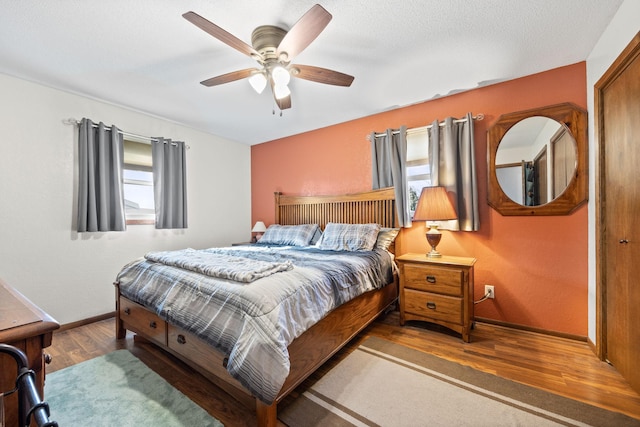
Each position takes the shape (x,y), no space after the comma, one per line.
(489,291)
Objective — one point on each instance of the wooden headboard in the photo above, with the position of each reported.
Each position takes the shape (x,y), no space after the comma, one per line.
(376,206)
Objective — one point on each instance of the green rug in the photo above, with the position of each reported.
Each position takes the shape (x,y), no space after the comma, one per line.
(386,384)
(117,389)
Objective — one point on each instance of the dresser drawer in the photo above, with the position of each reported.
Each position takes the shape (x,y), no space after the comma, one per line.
(441,307)
(437,279)
(143,321)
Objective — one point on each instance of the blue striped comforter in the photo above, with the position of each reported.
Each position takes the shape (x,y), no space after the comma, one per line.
(252,323)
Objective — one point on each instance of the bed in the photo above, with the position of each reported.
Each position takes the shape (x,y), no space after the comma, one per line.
(306,349)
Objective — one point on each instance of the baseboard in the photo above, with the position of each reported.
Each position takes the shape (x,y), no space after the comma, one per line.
(531,329)
(86,321)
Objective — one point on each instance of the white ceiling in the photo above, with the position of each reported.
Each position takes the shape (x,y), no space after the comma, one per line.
(143,55)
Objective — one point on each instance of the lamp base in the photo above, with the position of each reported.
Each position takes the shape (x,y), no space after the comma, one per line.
(433,254)
(433,238)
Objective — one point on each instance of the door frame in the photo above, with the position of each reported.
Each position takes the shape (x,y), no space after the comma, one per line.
(630,53)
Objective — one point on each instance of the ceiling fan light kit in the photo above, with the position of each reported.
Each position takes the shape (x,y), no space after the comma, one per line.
(281,91)
(258,81)
(280,75)
(274,49)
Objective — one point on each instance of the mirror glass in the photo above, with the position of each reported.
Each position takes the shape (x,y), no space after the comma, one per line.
(535,160)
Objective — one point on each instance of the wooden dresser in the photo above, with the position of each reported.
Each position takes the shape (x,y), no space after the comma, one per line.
(437,290)
(25,326)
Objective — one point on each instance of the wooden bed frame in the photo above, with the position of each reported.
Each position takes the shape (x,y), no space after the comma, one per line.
(311,349)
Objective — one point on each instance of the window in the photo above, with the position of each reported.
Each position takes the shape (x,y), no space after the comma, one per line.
(138,183)
(418,169)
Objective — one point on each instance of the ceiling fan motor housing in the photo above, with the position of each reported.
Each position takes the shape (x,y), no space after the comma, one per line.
(266,39)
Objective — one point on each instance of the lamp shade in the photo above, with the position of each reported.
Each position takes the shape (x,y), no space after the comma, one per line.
(281,91)
(258,82)
(259,227)
(434,205)
(280,76)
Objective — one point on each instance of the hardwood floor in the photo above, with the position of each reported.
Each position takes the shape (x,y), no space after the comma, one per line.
(559,365)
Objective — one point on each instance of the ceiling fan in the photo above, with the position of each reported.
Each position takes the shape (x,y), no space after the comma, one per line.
(274,49)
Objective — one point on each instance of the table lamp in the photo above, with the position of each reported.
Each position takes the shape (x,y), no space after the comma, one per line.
(434,205)
(259,228)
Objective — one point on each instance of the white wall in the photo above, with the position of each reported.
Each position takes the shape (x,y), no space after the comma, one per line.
(70,274)
(622,28)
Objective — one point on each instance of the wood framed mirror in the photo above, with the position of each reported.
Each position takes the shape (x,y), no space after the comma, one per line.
(537,161)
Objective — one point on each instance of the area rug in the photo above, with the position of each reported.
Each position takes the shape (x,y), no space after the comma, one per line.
(386,384)
(117,389)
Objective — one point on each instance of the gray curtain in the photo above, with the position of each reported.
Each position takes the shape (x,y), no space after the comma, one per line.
(169,183)
(453,166)
(388,156)
(100,182)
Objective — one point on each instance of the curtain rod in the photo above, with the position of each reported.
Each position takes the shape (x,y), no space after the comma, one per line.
(74,122)
(478,117)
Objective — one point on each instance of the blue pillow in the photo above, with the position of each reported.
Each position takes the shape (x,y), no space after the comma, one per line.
(316,236)
(349,237)
(386,237)
(294,235)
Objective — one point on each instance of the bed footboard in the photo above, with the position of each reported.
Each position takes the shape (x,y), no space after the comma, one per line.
(307,352)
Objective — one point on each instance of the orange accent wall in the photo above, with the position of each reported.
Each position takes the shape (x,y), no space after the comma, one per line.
(537,265)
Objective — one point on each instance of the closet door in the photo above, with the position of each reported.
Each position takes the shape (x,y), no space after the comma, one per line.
(618,126)
(564,160)
(540,180)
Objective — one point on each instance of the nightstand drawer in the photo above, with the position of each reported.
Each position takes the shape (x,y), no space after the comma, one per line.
(441,307)
(438,279)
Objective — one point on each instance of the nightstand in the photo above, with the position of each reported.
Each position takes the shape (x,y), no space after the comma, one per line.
(437,290)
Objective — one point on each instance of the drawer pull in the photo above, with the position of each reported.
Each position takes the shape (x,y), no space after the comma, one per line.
(153,324)
(127,310)
(47,358)
(431,279)
(181,339)
(225,362)
(431,305)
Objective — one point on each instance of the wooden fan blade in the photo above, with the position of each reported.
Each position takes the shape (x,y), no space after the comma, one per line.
(321,75)
(229,77)
(303,32)
(284,103)
(221,34)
